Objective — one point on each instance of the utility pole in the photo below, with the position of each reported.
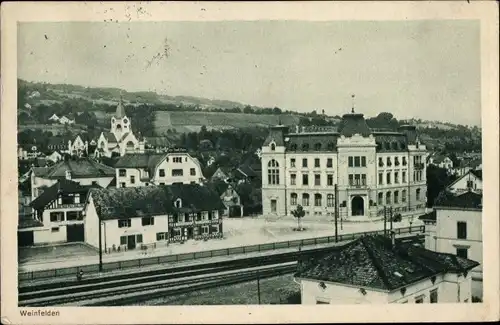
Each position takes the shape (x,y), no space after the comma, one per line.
(390,214)
(336,213)
(385,220)
(100,246)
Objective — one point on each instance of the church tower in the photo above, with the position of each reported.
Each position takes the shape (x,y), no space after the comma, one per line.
(120,123)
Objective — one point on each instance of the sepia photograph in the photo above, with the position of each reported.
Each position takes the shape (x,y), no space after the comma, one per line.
(233,162)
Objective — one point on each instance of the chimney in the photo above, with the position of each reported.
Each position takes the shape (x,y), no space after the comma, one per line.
(393,239)
(68,175)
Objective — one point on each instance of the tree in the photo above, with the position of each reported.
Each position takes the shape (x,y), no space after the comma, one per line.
(299,213)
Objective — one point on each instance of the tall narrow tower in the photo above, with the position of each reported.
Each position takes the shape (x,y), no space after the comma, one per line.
(120,123)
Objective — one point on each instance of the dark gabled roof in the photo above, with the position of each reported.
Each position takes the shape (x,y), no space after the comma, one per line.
(478,173)
(372,262)
(129,202)
(246,171)
(79,168)
(110,137)
(467,200)
(218,186)
(137,160)
(158,141)
(112,183)
(431,216)
(352,124)
(302,142)
(61,186)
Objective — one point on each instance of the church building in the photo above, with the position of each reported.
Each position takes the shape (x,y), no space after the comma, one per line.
(121,139)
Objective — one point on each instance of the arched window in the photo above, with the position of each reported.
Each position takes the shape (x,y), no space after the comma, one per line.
(396,197)
(330,200)
(403,196)
(293,147)
(273,172)
(317,147)
(403,146)
(273,147)
(305,146)
(396,161)
(331,146)
(387,146)
(130,145)
(388,198)
(380,198)
(389,163)
(317,199)
(380,162)
(394,146)
(305,199)
(418,194)
(293,199)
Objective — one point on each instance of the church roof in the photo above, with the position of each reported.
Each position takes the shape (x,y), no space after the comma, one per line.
(110,137)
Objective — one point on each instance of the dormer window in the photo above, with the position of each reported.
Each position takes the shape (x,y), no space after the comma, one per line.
(178,203)
(305,147)
(387,146)
(293,147)
(317,147)
(331,146)
(394,146)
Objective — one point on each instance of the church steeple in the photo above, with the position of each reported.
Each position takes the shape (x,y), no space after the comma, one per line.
(120,110)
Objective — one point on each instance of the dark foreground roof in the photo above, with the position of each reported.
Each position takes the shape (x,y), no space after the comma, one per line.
(79,168)
(62,186)
(116,203)
(137,160)
(27,221)
(371,262)
(431,216)
(468,200)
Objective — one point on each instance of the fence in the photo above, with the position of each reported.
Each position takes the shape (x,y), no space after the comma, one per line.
(120,265)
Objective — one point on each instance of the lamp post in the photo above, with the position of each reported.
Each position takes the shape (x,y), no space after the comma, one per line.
(100,245)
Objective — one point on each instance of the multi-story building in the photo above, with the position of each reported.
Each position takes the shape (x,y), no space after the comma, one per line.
(471,181)
(371,169)
(175,166)
(455,227)
(151,216)
(374,270)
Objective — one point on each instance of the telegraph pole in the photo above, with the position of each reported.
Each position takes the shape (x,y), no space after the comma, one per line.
(390,214)
(336,213)
(385,220)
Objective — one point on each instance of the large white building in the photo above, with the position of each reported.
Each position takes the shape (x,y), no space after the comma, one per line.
(120,140)
(151,216)
(175,166)
(376,270)
(455,227)
(372,169)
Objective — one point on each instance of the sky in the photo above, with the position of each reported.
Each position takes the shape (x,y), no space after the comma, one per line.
(422,69)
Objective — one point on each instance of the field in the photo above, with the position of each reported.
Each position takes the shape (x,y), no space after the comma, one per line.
(54,128)
(192,121)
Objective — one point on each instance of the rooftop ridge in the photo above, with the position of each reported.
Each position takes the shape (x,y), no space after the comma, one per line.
(374,261)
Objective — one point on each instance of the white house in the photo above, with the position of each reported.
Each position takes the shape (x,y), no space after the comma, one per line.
(78,147)
(455,227)
(54,117)
(374,270)
(83,170)
(442,162)
(372,169)
(176,166)
(57,214)
(130,218)
(65,120)
(230,197)
(121,139)
(471,181)
(55,156)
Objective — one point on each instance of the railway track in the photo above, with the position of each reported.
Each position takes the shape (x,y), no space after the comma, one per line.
(122,289)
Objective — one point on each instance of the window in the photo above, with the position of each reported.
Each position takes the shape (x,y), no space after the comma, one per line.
(316,162)
(380,162)
(293,147)
(122,184)
(56,216)
(305,179)
(380,198)
(380,178)
(162,172)
(204,230)
(125,223)
(357,179)
(462,252)
(54,229)
(396,161)
(161,184)
(177,159)
(72,215)
(329,179)
(363,161)
(192,172)
(363,179)
(404,161)
(93,183)
(273,147)
(396,178)
(329,163)
(404,177)
(292,162)
(418,194)
(396,197)
(132,179)
(461,230)
(388,178)
(273,173)
(419,300)
(317,147)
(388,198)
(305,147)
(351,179)
(329,200)
(304,162)
(470,184)
(122,172)
(434,296)
(177,172)
(305,199)
(293,179)
(317,200)
(317,179)
(138,238)
(403,196)
(161,236)
(322,302)
(350,162)
(357,162)
(293,199)
(389,163)
(123,240)
(148,221)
